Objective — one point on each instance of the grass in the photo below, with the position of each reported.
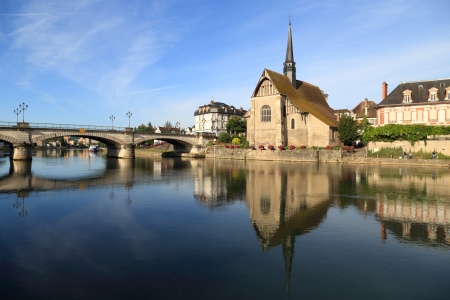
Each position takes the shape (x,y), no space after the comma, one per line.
(396,152)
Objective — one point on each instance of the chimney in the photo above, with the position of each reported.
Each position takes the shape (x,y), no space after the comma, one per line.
(384,90)
(365,106)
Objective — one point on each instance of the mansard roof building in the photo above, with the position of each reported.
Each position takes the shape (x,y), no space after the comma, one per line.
(213,117)
(417,102)
(286,111)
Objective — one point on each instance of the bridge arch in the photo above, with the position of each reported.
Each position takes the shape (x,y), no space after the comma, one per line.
(8,139)
(101,137)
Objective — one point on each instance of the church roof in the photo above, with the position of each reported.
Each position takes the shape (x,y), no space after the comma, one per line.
(419,91)
(307,97)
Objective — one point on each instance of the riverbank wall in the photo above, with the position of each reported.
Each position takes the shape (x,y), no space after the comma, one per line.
(303,155)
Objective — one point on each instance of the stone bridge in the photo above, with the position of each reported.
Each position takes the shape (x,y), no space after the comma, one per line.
(120,141)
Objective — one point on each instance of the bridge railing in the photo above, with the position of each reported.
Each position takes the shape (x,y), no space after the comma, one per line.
(62,126)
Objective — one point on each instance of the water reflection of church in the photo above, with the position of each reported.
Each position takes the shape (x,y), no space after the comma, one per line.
(286,201)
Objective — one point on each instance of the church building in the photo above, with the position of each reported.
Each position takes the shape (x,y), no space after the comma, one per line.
(286,111)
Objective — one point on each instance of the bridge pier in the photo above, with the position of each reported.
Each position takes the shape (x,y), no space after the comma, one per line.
(121,151)
(20,152)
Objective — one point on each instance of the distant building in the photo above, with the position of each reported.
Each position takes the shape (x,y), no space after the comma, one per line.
(366,108)
(213,117)
(340,112)
(417,102)
(286,111)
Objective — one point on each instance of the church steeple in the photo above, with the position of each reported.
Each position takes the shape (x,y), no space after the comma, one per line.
(289,69)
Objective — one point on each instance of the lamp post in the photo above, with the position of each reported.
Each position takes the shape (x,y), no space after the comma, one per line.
(112,118)
(129,114)
(23,106)
(17,113)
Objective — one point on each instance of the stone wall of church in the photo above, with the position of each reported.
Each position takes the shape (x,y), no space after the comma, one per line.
(319,133)
(297,136)
(265,133)
(308,130)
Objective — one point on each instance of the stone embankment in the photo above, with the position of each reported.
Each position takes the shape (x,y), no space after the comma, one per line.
(329,156)
(302,155)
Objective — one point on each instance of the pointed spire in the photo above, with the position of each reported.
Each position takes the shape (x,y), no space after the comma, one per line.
(289,69)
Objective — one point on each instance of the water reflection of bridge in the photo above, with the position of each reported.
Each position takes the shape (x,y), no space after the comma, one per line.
(20,177)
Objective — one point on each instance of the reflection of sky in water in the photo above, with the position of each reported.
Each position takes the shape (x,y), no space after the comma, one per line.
(68,168)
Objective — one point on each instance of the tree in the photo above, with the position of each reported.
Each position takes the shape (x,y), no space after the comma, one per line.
(150,127)
(142,128)
(348,129)
(168,124)
(236,125)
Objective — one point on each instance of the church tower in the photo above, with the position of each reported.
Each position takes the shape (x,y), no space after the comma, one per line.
(289,69)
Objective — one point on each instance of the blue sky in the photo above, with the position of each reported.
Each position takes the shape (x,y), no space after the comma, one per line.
(79,62)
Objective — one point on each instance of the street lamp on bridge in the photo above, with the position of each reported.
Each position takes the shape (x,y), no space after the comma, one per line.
(129,114)
(23,106)
(17,113)
(112,118)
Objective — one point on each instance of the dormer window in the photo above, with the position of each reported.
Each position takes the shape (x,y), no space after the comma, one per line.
(432,94)
(407,96)
(447,93)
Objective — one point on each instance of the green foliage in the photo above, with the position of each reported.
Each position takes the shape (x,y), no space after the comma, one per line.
(245,144)
(388,152)
(168,124)
(150,127)
(141,128)
(396,152)
(224,138)
(236,141)
(236,125)
(348,129)
(395,132)
(364,124)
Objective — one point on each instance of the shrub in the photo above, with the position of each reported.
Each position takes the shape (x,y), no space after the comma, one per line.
(302,147)
(236,141)
(329,147)
(261,147)
(245,145)
(292,147)
(224,138)
(271,147)
(281,147)
(227,146)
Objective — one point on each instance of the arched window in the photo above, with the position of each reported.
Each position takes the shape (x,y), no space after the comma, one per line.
(292,123)
(265,113)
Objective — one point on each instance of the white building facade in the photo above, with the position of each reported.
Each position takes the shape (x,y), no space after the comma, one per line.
(213,117)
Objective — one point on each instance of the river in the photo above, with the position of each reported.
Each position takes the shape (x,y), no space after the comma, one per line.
(81,226)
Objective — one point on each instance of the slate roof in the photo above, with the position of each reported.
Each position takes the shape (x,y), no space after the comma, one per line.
(308,98)
(222,108)
(360,110)
(419,95)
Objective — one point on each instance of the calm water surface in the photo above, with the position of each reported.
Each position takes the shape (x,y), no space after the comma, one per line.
(76,226)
